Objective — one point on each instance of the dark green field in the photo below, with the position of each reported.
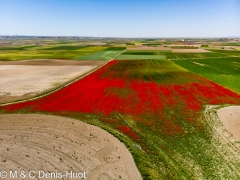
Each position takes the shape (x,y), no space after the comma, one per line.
(179,56)
(174,56)
(184,47)
(149,52)
(16,48)
(139,57)
(152,44)
(227,53)
(224,71)
(230,44)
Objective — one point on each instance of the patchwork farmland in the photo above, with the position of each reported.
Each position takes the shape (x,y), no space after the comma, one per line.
(162,105)
(106,54)
(155,103)
(48,52)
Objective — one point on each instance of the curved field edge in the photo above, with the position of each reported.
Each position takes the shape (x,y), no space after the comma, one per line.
(77,145)
(161,119)
(221,140)
(135,149)
(54,89)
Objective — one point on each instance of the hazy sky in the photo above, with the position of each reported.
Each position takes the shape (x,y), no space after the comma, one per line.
(121,18)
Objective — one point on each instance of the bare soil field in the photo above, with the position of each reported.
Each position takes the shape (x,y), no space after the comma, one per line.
(189,50)
(185,44)
(52,143)
(148,48)
(230,117)
(24,79)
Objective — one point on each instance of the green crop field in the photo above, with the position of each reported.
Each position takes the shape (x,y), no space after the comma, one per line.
(106,54)
(194,55)
(184,47)
(152,44)
(174,56)
(147,52)
(139,57)
(224,71)
(56,52)
(227,53)
(142,54)
(230,44)
(16,48)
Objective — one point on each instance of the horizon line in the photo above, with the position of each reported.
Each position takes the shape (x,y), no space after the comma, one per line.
(174,37)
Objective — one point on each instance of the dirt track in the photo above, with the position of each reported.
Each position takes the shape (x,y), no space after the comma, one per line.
(52,143)
(230,117)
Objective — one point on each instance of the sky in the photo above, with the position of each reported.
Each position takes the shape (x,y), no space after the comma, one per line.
(121,18)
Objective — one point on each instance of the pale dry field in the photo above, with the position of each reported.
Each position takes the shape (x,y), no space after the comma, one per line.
(51,62)
(189,50)
(52,143)
(24,79)
(230,117)
(148,48)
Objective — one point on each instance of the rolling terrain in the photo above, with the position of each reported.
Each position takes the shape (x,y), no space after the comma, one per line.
(162,103)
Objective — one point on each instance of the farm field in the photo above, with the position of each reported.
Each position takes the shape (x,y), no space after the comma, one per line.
(224,71)
(55,52)
(170,55)
(106,54)
(68,148)
(144,48)
(189,50)
(138,55)
(230,117)
(157,109)
(25,79)
(147,52)
(231,53)
(184,47)
(230,44)
(179,56)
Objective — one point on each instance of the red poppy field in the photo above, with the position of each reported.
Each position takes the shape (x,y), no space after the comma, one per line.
(156,108)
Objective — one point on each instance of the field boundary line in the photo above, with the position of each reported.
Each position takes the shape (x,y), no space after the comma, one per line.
(118,55)
(54,90)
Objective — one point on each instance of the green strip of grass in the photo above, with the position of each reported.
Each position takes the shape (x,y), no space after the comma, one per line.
(139,57)
(148,52)
(102,55)
(226,52)
(194,55)
(224,71)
